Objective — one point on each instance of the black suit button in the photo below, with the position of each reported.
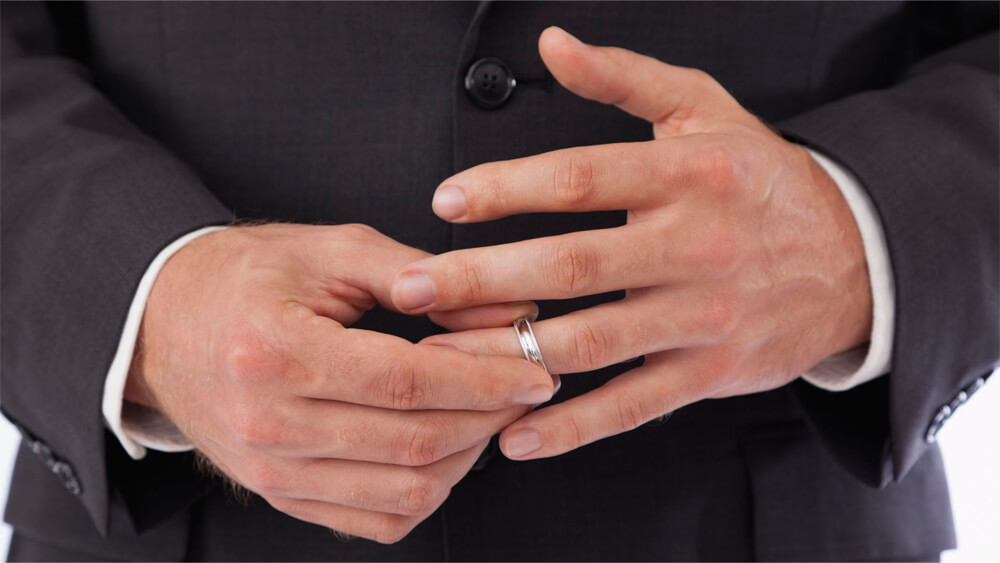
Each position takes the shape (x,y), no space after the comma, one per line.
(489,83)
(68,477)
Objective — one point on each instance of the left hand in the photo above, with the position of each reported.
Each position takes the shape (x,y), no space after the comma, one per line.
(743,263)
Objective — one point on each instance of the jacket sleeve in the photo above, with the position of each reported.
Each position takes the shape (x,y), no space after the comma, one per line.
(926,151)
(88,201)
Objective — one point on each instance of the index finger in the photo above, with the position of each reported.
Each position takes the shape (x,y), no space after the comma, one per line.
(370,368)
(556,267)
(595,178)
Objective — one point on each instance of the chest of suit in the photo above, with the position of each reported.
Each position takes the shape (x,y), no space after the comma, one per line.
(355,112)
(342,112)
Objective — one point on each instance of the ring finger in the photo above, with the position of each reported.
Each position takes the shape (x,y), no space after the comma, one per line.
(647,321)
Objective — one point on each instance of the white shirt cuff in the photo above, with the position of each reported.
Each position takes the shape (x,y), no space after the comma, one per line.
(849,369)
(135,426)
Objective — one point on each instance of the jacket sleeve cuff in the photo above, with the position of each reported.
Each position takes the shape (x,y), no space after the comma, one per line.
(849,369)
(136,427)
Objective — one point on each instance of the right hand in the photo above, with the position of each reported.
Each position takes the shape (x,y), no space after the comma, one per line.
(244,347)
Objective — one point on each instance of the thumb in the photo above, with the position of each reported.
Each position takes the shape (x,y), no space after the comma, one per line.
(361,259)
(374,262)
(642,86)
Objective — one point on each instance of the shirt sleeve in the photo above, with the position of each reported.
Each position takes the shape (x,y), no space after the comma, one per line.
(849,369)
(135,426)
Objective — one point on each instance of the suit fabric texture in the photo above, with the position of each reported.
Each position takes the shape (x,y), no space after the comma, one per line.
(127,125)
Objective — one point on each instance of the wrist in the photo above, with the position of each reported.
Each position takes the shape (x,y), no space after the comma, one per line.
(136,390)
(177,283)
(853,314)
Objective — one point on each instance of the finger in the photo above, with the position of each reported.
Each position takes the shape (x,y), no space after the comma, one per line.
(642,86)
(368,262)
(645,322)
(557,267)
(379,487)
(355,263)
(597,178)
(662,385)
(376,526)
(485,316)
(369,368)
(329,429)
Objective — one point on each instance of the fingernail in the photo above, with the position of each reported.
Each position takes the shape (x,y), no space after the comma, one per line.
(522,442)
(530,309)
(533,395)
(414,291)
(533,316)
(558,384)
(449,203)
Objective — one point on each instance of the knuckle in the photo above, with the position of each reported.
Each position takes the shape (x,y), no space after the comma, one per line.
(720,363)
(718,164)
(491,391)
(722,315)
(720,253)
(574,269)
(630,412)
(282,504)
(356,232)
(401,387)
(244,358)
(427,442)
(592,345)
(496,188)
(253,429)
(419,495)
(266,479)
(248,359)
(573,180)
(574,430)
(701,77)
(391,529)
(472,282)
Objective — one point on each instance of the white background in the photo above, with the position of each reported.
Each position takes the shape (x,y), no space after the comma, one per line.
(971,454)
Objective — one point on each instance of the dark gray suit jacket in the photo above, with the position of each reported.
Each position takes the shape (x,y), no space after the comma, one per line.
(127,125)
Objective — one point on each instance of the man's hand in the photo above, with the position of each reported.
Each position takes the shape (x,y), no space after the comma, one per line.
(243,345)
(743,264)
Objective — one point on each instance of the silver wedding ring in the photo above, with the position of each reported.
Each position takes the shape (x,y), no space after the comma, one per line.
(529,345)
